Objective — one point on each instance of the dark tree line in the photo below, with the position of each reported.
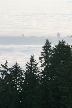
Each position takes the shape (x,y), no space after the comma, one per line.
(48,85)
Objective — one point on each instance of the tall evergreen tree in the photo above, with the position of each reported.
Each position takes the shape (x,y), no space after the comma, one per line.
(11,87)
(61,66)
(47,76)
(46,54)
(30,84)
(16,80)
(17,76)
(45,60)
(61,53)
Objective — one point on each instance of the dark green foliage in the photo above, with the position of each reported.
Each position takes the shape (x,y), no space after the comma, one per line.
(49,87)
(46,54)
(61,53)
(45,60)
(61,64)
(11,86)
(16,76)
(47,78)
(30,83)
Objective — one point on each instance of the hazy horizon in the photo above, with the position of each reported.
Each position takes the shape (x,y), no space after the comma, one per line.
(35,17)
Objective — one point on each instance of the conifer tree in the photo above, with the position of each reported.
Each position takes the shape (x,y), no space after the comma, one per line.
(17,77)
(46,54)
(61,53)
(16,80)
(47,75)
(3,86)
(45,60)
(30,84)
(11,87)
(61,66)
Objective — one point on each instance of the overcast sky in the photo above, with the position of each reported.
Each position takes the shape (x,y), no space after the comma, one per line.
(35,17)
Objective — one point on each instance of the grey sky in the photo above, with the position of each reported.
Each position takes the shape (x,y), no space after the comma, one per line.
(35,17)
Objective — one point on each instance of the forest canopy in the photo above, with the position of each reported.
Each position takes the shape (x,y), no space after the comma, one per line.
(47,85)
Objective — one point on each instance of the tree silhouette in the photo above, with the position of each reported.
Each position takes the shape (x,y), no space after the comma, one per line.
(61,66)
(33,88)
(30,83)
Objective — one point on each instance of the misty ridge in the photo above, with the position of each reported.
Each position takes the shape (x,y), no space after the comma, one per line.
(32,40)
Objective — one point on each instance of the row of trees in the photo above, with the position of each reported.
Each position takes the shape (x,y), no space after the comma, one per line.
(47,85)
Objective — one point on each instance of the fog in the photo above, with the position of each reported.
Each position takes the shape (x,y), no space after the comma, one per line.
(18,53)
(21,53)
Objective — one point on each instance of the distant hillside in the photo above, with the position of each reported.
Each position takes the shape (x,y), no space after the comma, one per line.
(32,40)
(20,40)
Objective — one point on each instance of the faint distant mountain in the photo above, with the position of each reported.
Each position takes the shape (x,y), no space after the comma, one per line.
(21,40)
(32,40)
